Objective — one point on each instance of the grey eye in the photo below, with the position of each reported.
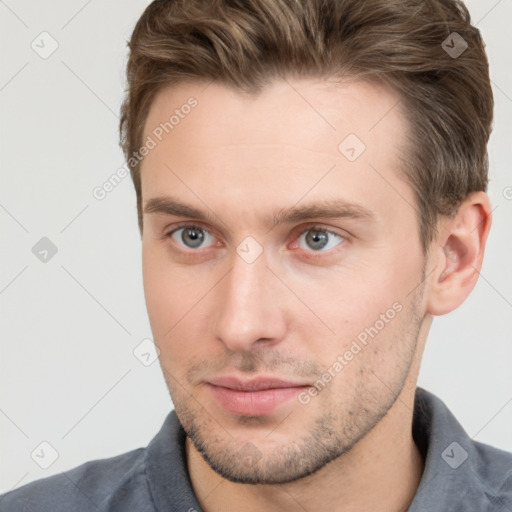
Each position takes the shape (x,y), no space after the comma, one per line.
(318,239)
(191,237)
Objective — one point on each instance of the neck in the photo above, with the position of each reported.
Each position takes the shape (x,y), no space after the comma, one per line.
(381,472)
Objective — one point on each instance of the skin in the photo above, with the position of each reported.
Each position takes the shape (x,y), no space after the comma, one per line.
(293,310)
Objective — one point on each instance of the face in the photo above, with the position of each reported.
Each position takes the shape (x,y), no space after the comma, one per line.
(282,269)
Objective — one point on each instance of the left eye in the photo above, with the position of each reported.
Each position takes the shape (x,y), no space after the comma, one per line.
(191,237)
(319,239)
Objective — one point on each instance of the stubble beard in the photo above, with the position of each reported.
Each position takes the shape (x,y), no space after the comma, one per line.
(329,436)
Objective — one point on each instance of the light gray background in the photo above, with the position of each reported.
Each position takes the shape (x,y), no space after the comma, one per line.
(68,375)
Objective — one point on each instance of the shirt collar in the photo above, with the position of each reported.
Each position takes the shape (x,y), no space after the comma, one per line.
(458,472)
(166,469)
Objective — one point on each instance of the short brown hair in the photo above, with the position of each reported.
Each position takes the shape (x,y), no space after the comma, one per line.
(245,44)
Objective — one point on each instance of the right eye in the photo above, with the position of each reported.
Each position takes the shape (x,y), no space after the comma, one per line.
(191,236)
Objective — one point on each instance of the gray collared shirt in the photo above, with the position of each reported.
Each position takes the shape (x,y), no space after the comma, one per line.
(460,474)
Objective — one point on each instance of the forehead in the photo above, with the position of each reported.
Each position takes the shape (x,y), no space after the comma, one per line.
(297,111)
(304,137)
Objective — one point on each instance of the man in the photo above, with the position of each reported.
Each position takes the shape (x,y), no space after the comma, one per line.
(310,182)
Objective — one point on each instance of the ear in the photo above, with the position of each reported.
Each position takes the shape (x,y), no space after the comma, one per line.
(457,254)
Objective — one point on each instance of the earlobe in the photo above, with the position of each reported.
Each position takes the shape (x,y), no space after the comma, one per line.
(459,253)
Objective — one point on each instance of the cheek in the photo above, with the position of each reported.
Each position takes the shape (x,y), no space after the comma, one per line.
(165,292)
(156,290)
(345,303)
(174,298)
(364,305)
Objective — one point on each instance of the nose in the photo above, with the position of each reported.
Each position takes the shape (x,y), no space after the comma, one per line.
(249,306)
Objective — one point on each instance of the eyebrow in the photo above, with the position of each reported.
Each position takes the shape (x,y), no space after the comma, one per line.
(325,208)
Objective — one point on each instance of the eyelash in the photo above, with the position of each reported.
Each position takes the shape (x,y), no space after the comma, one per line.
(314,227)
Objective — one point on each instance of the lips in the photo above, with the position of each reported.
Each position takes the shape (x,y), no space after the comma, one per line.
(254,397)
(257,384)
